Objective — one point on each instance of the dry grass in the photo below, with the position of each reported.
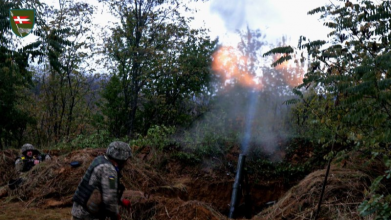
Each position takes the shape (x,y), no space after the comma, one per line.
(53,183)
(7,159)
(344,192)
(20,211)
(138,175)
(174,209)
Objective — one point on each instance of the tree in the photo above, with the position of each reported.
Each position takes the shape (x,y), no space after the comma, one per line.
(113,108)
(352,72)
(183,77)
(149,48)
(15,78)
(62,108)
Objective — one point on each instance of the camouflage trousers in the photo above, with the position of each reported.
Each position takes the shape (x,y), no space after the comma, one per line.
(80,213)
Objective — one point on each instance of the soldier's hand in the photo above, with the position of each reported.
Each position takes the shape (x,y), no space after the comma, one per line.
(126,204)
(36,162)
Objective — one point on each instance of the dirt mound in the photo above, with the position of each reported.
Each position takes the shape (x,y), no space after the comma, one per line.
(7,164)
(172,191)
(163,208)
(53,183)
(344,192)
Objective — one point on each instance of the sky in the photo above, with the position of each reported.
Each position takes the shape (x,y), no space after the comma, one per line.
(275,18)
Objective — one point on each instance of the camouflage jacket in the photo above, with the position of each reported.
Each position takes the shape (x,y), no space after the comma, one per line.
(101,175)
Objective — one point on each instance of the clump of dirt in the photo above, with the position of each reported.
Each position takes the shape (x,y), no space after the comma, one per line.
(344,192)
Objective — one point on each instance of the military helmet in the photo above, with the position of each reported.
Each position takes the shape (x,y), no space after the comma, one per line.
(119,150)
(27,147)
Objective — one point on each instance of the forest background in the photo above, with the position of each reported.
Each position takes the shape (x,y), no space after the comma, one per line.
(168,84)
(157,75)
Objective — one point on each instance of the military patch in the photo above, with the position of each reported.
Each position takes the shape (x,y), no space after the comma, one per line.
(22,23)
(112,182)
(23,158)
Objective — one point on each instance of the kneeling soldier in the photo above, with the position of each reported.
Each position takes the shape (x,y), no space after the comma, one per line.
(99,192)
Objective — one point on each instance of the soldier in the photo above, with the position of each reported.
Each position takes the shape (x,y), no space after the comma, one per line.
(99,192)
(29,158)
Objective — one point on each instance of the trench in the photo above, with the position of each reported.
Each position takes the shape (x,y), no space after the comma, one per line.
(217,194)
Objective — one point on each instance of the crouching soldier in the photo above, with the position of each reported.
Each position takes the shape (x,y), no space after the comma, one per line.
(29,158)
(99,193)
(25,162)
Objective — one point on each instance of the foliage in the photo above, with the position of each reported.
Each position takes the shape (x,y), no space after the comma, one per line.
(210,135)
(187,157)
(99,139)
(161,64)
(64,94)
(15,79)
(377,204)
(350,79)
(157,138)
(113,107)
(180,90)
(301,158)
(266,169)
(377,201)
(47,91)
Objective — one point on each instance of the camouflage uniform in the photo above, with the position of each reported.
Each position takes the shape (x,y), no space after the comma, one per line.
(103,176)
(24,163)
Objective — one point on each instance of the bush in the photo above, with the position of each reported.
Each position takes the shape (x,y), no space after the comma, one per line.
(187,158)
(379,199)
(157,137)
(99,139)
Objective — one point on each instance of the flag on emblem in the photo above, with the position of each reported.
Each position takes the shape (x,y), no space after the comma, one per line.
(22,21)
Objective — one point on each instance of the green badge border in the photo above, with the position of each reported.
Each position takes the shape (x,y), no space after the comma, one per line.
(11,21)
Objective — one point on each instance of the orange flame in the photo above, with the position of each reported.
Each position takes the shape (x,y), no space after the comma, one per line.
(231,67)
(227,64)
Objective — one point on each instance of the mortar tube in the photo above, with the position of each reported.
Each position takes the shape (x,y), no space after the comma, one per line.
(236,186)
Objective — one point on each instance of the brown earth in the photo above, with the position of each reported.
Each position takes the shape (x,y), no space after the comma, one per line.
(180,192)
(176,190)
